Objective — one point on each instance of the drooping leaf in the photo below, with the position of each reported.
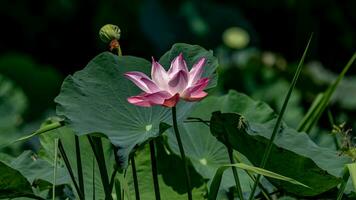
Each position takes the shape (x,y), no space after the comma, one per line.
(13,183)
(215,184)
(36,169)
(293,154)
(32,175)
(95,99)
(206,153)
(283,160)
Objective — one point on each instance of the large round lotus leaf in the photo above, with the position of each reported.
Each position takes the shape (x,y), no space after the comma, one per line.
(206,153)
(293,154)
(95,98)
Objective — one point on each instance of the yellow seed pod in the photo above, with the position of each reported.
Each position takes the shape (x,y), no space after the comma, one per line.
(109,32)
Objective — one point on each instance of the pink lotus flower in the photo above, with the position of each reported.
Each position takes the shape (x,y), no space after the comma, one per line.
(165,88)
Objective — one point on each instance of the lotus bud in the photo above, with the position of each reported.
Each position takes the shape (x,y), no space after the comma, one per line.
(109,33)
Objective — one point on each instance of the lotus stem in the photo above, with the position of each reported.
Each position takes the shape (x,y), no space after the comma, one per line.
(97,147)
(236,175)
(55,168)
(181,149)
(79,165)
(154,170)
(345,178)
(69,168)
(135,179)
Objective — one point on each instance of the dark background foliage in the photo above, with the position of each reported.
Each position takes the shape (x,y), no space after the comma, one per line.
(63,33)
(40,38)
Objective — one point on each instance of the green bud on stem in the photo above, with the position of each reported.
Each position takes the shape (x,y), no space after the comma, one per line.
(110,34)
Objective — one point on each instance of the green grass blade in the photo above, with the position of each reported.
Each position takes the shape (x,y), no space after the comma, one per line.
(154,169)
(307,119)
(43,129)
(215,184)
(280,117)
(322,101)
(55,168)
(125,186)
(253,178)
(69,169)
(352,169)
(135,179)
(93,172)
(234,171)
(97,147)
(118,189)
(345,178)
(112,178)
(79,165)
